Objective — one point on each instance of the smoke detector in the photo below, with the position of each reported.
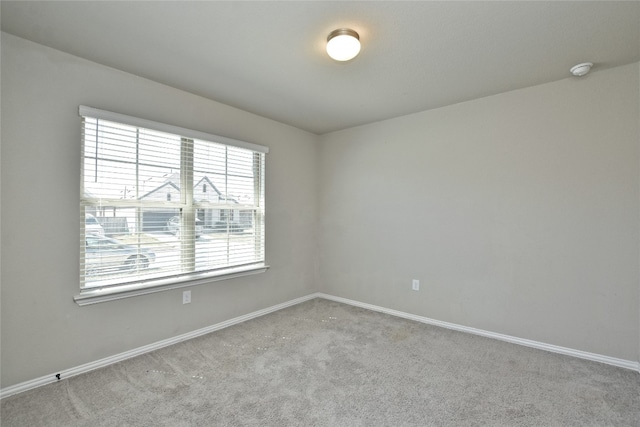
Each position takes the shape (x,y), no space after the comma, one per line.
(581,69)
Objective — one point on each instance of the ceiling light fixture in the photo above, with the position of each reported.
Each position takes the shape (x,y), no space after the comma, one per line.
(343,44)
(581,69)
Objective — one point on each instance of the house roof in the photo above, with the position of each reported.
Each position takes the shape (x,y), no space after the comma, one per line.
(172,185)
(205,180)
(162,187)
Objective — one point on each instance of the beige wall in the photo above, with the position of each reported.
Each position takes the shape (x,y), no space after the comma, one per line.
(43,330)
(517,212)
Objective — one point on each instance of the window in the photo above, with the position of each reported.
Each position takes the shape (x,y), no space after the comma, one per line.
(153,229)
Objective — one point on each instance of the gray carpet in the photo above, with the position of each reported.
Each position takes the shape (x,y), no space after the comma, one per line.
(323,363)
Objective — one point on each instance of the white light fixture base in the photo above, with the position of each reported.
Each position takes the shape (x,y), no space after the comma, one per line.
(581,69)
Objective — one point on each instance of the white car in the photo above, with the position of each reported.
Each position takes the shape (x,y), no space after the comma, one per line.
(173,226)
(104,255)
(92,226)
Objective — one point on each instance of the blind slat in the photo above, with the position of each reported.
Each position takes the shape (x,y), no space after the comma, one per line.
(85,111)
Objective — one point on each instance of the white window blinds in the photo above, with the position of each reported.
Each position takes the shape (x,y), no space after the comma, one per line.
(160,202)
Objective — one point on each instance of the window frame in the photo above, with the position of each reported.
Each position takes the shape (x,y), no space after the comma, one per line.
(112,291)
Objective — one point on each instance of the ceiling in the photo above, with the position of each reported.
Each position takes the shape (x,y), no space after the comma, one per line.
(268,58)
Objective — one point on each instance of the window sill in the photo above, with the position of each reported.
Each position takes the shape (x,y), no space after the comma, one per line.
(98,295)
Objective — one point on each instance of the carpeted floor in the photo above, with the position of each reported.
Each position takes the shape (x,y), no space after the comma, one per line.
(323,363)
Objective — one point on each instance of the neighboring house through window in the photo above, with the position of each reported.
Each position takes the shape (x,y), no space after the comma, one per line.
(166,198)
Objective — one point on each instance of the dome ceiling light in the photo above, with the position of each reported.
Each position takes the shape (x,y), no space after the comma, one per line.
(343,44)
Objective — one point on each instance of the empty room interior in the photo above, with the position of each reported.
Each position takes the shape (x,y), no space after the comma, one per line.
(207,220)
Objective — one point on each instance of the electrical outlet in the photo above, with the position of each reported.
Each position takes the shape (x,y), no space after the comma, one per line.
(415,285)
(186,297)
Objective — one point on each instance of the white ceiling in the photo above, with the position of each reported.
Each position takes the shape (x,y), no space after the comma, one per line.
(268,57)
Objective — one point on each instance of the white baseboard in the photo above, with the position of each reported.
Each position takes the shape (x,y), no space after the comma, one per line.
(48,379)
(622,363)
(67,373)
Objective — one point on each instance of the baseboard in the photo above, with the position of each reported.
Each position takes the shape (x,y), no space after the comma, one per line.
(48,379)
(622,363)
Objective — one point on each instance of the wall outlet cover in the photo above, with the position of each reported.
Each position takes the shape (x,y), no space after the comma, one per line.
(186,297)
